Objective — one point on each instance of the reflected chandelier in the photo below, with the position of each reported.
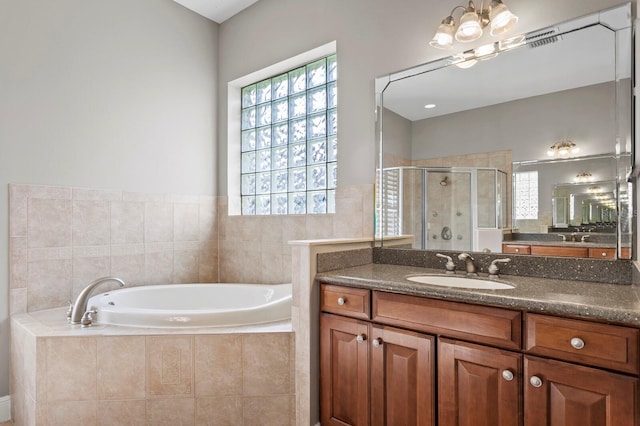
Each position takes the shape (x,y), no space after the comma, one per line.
(472,22)
(563,149)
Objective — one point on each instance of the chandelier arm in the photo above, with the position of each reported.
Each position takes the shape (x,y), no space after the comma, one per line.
(456,8)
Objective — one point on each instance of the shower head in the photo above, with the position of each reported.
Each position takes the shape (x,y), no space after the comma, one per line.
(445,181)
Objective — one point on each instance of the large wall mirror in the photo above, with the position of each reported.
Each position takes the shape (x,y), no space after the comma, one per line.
(525,149)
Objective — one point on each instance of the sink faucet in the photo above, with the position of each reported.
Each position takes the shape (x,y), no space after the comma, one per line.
(449,266)
(564,237)
(493,268)
(79,309)
(574,236)
(468,261)
(584,238)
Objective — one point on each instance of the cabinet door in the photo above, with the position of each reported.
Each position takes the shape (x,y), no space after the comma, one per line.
(344,371)
(562,394)
(402,377)
(478,385)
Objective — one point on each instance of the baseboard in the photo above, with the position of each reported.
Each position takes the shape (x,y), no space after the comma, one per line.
(5,408)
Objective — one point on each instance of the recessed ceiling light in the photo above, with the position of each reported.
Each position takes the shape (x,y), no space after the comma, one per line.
(429,106)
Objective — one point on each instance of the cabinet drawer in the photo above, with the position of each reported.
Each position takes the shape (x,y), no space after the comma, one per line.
(516,248)
(494,326)
(347,301)
(559,251)
(600,345)
(602,253)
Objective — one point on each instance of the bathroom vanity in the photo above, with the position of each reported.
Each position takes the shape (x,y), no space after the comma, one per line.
(544,352)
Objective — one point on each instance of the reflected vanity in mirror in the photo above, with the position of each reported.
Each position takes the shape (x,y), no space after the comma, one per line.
(524,150)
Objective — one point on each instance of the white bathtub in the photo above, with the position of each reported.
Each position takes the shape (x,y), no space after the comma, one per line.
(193,305)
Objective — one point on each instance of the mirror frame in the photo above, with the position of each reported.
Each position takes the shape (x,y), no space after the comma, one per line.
(626,160)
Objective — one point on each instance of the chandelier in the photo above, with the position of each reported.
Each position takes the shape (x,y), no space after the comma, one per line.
(562,149)
(472,22)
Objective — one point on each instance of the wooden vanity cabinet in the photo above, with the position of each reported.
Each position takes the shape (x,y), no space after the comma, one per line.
(372,374)
(478,385)
(495,366)
(563,394)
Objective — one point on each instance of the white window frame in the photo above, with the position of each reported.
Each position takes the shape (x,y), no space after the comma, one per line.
(234,100)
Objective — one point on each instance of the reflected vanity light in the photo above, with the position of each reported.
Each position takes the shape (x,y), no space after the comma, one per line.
(563,149)
(472,22)
(430,106)
(584,177)
(594,189)
(471,57)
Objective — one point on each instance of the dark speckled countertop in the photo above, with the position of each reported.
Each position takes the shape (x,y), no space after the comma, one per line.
(615,303)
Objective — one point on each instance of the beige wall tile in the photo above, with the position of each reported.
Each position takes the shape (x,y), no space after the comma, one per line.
(49,223)
(91,223)
(87,194)
(18,209)
(219,411)
(122,413)
(208,224)
(158,222)
(186,266)
(66,413)
(127,223)
(186,222)
(218,365)
(49,284)
(208,266)
(268,411)
(169,366)
(171,412)
(158,267)
(17,301)
(121,370)
(88,269)
(266,364)
(70,371)
(130,268)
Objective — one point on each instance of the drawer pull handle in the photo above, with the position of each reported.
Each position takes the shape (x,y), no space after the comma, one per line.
(377,342)
(535,381)
(577,343)
(517,250)
(361,338)
(341,301)
(507,375)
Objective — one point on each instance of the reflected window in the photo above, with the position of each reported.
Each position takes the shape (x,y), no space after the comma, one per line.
(526,196)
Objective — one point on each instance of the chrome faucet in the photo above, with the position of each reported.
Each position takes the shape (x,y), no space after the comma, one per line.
(564,237)
(574,236)
(468,261)
(493,268)
(584,238)
(78,313)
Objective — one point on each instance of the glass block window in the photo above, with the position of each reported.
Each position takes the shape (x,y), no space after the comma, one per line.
(526,197)
(289,140)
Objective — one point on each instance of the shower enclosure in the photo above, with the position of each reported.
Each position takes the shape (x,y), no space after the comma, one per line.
(452,208)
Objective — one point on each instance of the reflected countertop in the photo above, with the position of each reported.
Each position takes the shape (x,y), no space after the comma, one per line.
(560,243)
(618,303)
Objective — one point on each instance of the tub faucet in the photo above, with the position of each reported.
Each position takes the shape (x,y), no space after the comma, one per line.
(78,311)
(468,261)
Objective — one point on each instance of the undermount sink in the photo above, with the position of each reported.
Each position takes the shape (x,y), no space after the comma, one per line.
(460,282)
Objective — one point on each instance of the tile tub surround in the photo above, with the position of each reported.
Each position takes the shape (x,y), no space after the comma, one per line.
(109,375)
(62,238)
(561,268)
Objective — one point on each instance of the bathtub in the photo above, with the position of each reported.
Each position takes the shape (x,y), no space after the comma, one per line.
(193,305)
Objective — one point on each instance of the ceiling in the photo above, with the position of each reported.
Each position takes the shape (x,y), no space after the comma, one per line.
(216,10)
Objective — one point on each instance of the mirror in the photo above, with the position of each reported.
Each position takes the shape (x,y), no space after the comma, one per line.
(463,161)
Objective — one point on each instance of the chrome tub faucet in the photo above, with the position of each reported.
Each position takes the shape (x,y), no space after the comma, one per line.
(78,313)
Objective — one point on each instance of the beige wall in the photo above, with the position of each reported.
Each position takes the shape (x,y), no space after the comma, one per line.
(113,94)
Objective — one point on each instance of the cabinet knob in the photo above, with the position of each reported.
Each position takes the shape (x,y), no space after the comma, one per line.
(341,301)
(535,381)
(517,250)
(604,254)
(361,338)
(507,375)
(577,343)
(377,342)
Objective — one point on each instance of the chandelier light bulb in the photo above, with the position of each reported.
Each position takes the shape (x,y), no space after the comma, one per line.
(443,39)
(470,28)
(502,20)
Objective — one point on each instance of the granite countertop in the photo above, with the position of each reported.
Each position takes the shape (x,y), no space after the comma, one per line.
(561,243)
(617,303)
